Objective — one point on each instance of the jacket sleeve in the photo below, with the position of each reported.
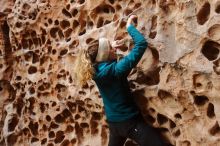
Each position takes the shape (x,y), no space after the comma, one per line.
(126,64)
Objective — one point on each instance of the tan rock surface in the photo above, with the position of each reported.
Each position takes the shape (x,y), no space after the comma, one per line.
(176,84)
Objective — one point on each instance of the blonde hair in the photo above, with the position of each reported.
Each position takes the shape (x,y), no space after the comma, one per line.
(84,65)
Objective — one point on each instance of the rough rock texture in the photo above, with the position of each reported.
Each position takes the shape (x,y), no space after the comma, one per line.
(176,84)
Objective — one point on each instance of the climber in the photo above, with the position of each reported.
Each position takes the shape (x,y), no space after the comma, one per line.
(99,63)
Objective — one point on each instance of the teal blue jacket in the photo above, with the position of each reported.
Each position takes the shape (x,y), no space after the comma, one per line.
(111,80)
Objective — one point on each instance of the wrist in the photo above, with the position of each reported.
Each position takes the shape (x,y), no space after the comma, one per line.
(129,26)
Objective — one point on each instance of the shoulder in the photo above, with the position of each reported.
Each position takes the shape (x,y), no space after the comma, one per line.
(104,68)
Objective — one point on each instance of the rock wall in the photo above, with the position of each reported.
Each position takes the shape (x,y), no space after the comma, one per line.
(176,84)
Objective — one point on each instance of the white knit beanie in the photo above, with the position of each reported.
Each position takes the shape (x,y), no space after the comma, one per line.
(103,50)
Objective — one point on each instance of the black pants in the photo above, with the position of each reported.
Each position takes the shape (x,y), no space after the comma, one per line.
(135,129)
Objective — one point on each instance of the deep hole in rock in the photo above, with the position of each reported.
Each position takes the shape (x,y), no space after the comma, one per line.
(33,127)
(153,34)
(60,34)
(54,31)
(18,24)
(66,142)
(154,22)
(210,50)
(43,59)
(71,106)
(111,1)
(118,7)
(42,107)
(78,131)
(48,118)
(89,40)
(24,43)
(50,144)
(43,39)
(137,5)
(123,24)
(196,82)
(185,143)
(68,6)
(216,66)
(35,58)
(172,124)
(26,6)
(150,78)
(59,87)
(12,139)
(66,13)
(20,103)
(104,9)
(44,86)
(69,129)
(164,94)
(82,32)
(100,22)
(200,100)
(66,113)
(77,116)
(34,139)
(210,111)
(32,70)
(94,127)
(74,12)
(26,131)
(81,1)
(51,134)
(64,24)
(59,137)
(84,125)
(43,141)
(28,55)
(203,14)
(35,40)
(215,129)
(127,12)
(5,32)
(12,124)
(90,24)
(73,141)
(32,101)
(54,51)
(96,116)
(107,22)
(177,133)
(104,134)
(50,21)
(161,119)
(56,22)
(178,116)
(63,52)
(32,90)
(59,118)
(68,32)
(150,119)
(217,9)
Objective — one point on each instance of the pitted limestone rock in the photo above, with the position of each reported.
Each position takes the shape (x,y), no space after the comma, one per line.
(176,83)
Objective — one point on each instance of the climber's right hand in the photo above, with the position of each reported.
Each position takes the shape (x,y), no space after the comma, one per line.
(132,20)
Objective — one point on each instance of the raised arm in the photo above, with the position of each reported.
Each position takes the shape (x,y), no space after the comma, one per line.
(126,64)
